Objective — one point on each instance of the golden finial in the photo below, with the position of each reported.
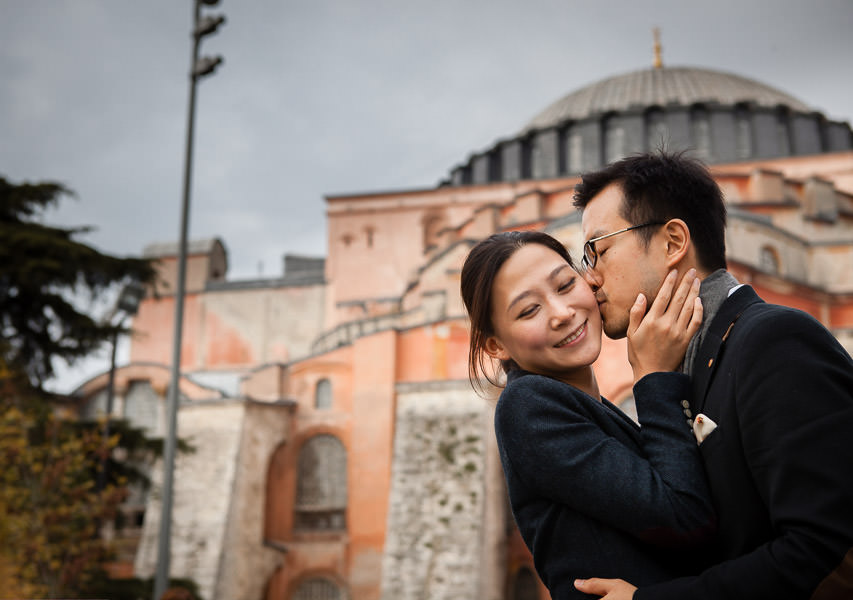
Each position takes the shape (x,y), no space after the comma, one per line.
(658,63)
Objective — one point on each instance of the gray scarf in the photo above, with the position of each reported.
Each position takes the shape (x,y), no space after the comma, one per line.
(713,292)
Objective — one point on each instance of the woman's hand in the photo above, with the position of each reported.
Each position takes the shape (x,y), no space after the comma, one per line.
(657,340)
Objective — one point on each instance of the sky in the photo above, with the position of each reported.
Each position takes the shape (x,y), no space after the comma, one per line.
(329,97)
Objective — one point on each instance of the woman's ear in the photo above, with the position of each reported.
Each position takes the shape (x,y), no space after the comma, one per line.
(677,239)
(495,349)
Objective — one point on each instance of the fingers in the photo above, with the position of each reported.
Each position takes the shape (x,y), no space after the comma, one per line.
(696,318)
(664,295)
(685,290)
(676,304)
(593,585)
(636,314)
(611,589)
(689,306)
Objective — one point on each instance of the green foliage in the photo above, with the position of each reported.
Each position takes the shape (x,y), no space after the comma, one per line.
(41,267)
(53,505)
(50,508)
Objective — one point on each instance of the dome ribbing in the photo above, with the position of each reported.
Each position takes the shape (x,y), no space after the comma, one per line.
(684,86)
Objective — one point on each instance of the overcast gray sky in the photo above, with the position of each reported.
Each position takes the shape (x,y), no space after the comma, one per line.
(323,97)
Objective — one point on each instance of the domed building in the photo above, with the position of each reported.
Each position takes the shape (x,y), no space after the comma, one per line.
(722,117)
(341,452)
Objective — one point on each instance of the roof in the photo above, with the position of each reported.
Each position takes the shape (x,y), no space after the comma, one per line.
(662,86)
(160,250)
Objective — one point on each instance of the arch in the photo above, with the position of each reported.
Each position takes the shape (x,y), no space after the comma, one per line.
(614,138)
(657,130)
(768,260)
(142,406)
(275,516)
(318,588)
(743,132)
(574,150)
(323,394)
(700,132)
(783,131)
(321,485)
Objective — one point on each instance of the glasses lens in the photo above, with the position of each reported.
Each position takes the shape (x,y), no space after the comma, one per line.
(589,255)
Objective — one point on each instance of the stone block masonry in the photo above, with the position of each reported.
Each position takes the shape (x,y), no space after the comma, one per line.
(436,523)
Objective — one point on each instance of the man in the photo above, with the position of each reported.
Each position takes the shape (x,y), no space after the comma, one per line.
(772,402)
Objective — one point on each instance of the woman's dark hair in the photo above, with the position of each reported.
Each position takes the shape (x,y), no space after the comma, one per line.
(659,186)
(478,277)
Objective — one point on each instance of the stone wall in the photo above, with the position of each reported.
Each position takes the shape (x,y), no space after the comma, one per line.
(441,535)
(246,564)
(203,487)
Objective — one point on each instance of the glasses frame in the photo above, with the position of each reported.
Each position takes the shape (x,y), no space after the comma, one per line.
(589,246)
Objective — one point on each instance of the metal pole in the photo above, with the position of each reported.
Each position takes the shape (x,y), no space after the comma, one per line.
(102,474)
(161,580)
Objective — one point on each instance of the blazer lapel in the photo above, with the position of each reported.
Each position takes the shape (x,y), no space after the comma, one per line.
(705,364)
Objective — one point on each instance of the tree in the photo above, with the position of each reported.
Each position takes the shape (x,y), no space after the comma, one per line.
(42,268)
(51,509)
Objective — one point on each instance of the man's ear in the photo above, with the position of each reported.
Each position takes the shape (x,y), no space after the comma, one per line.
(495,349)
(677,240)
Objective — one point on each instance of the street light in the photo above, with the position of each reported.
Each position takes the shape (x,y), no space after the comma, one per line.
(199,67)
(128,303)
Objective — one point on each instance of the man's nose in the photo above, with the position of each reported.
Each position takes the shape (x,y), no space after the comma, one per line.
(592,278)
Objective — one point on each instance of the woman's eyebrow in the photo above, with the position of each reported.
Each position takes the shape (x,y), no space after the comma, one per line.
(552,275)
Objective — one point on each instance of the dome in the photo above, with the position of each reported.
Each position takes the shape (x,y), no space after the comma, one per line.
(720,117)
(683,86)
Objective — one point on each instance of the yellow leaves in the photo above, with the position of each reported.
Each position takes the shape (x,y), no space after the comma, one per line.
(50,509)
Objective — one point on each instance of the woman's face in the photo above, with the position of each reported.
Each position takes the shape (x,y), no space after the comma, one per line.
(545,315)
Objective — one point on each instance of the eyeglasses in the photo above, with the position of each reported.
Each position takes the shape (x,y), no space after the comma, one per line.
(590,254)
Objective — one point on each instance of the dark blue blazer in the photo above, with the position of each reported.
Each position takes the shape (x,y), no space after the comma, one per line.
(779,387)
(592,493)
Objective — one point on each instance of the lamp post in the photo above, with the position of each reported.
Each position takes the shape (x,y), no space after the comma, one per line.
(128,303)
(199,67)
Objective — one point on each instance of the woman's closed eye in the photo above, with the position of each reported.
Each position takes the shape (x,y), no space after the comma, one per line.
(566,285)
(528,311)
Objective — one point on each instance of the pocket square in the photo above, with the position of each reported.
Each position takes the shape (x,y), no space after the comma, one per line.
(702,427)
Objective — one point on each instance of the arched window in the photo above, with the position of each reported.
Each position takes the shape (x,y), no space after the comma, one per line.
(614,139)
(321,486)
(768,260)
(141,406)
(657,132)
(575,143)
(323,394)
(701,132)
(743,133)
(525,586)
(318,588)
(783,133)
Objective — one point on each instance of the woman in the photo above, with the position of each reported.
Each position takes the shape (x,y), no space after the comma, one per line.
(593,494)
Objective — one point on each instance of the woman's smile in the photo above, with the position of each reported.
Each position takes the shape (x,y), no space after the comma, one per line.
(572,337)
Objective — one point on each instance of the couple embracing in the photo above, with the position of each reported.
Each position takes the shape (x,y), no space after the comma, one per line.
(738,480)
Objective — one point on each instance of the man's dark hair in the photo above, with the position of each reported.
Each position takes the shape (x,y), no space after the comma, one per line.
(660,186)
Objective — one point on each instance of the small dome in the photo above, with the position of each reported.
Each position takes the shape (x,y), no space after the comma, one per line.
(682,86)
